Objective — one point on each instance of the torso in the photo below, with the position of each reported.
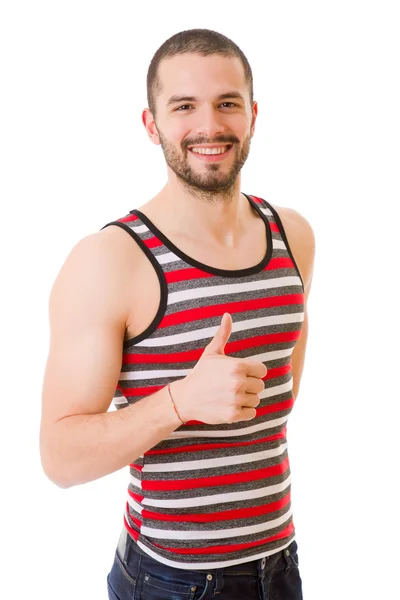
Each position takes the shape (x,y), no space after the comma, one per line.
(142,288)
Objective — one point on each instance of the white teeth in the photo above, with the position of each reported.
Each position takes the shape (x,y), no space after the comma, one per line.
(209,150)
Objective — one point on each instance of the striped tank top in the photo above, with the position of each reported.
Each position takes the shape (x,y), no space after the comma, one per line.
(211,496)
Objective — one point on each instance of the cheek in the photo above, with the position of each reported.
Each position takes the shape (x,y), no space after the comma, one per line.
(177,131)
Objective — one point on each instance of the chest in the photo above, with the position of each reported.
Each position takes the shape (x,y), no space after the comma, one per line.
(145,298)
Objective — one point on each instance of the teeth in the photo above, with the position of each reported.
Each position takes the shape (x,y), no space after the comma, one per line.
(209,150)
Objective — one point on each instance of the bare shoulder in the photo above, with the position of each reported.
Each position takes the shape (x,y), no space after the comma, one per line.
(96,269)
(301,238)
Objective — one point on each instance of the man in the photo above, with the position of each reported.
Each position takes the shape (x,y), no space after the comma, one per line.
(191,314)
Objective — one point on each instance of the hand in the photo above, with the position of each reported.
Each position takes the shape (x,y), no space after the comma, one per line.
(220,388)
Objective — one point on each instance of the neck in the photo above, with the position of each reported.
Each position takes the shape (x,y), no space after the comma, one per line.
(218,217)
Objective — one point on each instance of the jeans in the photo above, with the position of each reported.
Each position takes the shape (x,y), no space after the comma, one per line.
(136,576)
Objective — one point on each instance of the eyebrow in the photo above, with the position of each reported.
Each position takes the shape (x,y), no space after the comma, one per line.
(176,99)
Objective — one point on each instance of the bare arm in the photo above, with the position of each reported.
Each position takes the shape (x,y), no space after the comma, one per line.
(79,440)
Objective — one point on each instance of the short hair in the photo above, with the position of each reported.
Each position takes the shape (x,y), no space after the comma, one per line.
(196,41)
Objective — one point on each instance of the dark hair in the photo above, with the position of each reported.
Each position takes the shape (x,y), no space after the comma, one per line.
(197,41)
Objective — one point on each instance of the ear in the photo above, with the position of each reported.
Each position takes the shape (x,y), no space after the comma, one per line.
(254,118)
(150,126)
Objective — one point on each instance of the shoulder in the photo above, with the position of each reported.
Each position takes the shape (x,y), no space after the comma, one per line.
(96,273)
(102,251)
(301,239)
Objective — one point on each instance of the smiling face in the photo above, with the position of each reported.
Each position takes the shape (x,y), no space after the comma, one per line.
(204,119)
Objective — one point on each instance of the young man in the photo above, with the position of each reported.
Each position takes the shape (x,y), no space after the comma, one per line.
(190,313)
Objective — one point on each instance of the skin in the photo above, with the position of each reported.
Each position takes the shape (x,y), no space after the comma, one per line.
(96,303)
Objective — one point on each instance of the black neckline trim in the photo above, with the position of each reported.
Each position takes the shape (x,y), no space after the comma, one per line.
(207,268)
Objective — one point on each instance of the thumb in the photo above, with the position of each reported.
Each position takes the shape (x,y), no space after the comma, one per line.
(217,344)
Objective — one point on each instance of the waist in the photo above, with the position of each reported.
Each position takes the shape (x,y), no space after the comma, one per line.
(130,548)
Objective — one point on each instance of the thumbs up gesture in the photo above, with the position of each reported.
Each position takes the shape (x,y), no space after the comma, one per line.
(220,388)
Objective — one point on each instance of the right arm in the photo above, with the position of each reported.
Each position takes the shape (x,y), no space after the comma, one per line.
(79,440)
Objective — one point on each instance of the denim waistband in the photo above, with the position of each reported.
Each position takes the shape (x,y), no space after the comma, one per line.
(255,566)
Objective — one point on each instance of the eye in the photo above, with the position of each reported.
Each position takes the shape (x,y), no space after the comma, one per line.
(231,103)
(184,106)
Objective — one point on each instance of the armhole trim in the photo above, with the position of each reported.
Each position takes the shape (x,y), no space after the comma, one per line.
(285,239)
(162,281)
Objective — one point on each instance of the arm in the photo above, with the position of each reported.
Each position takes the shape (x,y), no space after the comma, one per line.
(79,440)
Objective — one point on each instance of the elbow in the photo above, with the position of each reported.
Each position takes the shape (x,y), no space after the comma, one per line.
(51,467)
(54,475)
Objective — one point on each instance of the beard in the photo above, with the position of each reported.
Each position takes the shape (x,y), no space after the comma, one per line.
(215,181)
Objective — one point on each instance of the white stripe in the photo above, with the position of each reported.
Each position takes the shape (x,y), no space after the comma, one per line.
(214,433)
(214,534)
(273,355)
(136,482)
(232,288)
(213,463)
(139,228)
(209,332)
(118,400)
(168,257)
(279,245)
(276,389)
(134,505)
(211,565)
(197,501)
(265,210)
(130,375)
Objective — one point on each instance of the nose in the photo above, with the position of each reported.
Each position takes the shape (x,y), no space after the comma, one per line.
(209,122)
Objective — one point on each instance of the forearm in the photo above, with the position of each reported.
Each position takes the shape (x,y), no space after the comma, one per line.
(86,447)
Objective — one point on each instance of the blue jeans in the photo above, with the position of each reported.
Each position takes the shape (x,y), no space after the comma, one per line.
(136,576)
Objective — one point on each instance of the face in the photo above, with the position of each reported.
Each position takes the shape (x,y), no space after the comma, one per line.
(204,119)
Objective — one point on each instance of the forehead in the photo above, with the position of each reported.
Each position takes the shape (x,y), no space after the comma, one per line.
(196,75)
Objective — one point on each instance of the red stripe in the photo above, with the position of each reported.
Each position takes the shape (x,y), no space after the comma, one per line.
(152,242)
(233,547)
(128,219)
(193,355)
(258,200)
(132,532)
(274,227)
(225,515)
(278,372)
(207,312)
(280,262)
(137,467)
(186,275)
(213,446)
(129,392)
(276,407)
(216,480)
(176,357)
(137,497)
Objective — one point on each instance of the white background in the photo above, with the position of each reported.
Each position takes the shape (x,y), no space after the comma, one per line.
(74,156)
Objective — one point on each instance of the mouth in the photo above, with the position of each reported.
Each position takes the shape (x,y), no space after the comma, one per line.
(211,153)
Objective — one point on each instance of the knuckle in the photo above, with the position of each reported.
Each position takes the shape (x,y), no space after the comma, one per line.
(236,385)
(238,367)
